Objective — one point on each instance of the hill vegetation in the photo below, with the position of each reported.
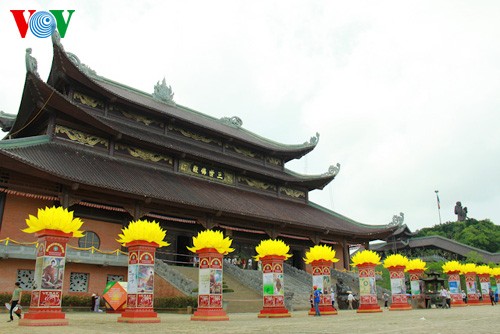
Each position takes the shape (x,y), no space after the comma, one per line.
(482,234)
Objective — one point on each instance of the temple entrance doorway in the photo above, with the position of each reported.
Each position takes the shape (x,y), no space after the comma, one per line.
(184,257)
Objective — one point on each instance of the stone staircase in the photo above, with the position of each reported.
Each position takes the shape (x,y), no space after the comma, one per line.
(247,285)
(177,278)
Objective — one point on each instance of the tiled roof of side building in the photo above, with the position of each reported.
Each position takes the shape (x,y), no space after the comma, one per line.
(115,90)
(90,168)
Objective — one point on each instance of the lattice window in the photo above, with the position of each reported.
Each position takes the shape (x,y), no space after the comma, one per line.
(78,282)
(89,239)
(25,277)
(115,278)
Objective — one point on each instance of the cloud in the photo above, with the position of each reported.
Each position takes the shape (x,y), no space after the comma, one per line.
(404,95)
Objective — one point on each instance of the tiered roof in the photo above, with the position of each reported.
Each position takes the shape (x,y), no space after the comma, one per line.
(223,143)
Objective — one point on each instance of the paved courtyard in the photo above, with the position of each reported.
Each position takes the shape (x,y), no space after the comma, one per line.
(479,319)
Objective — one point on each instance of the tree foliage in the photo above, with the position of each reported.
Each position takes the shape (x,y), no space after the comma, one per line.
(482,234)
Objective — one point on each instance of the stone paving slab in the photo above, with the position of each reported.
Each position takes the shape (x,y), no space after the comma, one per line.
(478,319)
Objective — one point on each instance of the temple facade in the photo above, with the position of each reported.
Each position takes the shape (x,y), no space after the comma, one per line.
(113,154)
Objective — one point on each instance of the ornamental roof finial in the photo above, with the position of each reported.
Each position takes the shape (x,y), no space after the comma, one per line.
(31,63)
(397,220)
(333,170)
(234,121)
(163,92)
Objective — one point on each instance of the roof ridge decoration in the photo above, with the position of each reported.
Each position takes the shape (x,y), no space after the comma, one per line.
(81,66)
(313,140)
(397,220)
(56,39)
(332,170)
(163,93)
(31,63)
(6,121)
(233,121)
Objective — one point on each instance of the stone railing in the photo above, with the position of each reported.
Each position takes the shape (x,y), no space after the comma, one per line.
(174,277)
(298,274)
(250,278)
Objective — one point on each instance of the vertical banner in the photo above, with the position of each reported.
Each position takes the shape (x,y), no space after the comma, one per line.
(210,283)
(485,285)
(140,285)
(210,286)
(367,289)
(46,296)
(321,280)
(49,274)
(415,283)
(472,292)
(273,286)
(455,289)
(398,289)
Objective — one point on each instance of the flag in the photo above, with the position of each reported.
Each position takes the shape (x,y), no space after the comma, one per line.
(439,203)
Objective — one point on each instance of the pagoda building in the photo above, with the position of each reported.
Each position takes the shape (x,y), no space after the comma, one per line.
(113,154)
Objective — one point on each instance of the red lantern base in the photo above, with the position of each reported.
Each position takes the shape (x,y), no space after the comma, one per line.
(274,313)
(210,315)
(400,307)
(44,318)
(369,308)
(324,310)
(139,317)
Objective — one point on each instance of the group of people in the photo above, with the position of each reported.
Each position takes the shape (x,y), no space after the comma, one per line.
(242,263)
(315,299)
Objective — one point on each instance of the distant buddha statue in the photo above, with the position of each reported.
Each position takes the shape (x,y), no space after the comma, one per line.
(460,212)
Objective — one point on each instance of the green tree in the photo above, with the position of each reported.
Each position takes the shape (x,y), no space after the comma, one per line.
(482,234)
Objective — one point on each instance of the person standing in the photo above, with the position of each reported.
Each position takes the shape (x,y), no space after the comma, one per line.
(317,299)
(92,302)
(386,299)
(492,297)
(97,302)
(332,296)
(15,300)
(350,299)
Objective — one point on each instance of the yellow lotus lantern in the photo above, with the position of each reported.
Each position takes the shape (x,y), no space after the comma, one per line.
(211,239)
(495,272)
(143,230)
(272,247)
(54,218)
(416,264)
(320,253)
(395,260)
(366,256)
(468,268)
(452,266)
(483,270)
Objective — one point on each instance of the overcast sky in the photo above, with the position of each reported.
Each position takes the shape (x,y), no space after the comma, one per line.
(405,94)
